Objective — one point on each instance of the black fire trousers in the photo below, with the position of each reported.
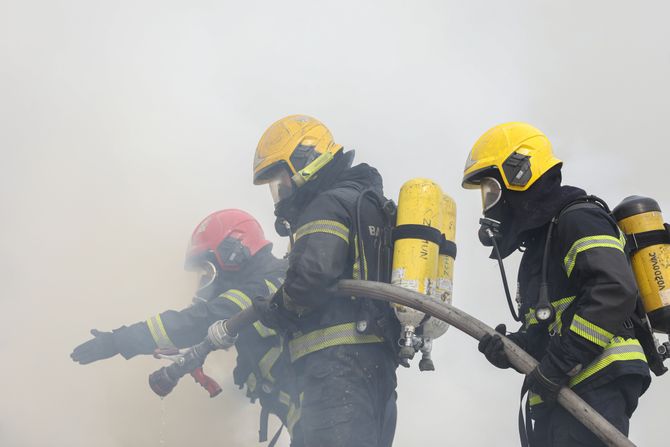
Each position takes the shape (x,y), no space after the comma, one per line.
(616,401)
(349,396)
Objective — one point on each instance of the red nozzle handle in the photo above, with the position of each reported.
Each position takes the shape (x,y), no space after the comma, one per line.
(206,382)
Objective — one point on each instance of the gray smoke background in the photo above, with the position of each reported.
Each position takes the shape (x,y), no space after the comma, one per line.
(122,124)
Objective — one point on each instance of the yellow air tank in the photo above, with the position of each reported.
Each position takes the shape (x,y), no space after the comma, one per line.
(641,219)
(445,266)
(416,251)
(433,327)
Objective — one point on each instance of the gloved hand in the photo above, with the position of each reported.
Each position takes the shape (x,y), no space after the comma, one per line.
(272,316)
(546,381)
(493,348)
(101,347)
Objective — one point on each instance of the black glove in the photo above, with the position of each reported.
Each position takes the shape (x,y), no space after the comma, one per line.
(546,381)
(273,316)
(101,347)
(493,348)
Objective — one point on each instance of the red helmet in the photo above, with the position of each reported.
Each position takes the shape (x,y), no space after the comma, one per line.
(226,237)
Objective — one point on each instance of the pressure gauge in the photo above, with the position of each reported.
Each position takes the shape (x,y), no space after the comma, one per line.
(543,313)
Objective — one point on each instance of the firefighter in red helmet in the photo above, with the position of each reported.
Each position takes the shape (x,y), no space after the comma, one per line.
(236,266)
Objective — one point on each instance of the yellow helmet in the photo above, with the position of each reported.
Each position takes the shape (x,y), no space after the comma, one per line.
(299,144)
(518,151)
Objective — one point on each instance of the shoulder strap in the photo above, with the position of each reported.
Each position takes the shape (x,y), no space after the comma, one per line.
(588,201)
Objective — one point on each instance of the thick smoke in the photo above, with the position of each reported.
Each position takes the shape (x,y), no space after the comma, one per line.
(124,123)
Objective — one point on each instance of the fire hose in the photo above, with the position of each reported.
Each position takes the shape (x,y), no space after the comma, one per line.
(165,379)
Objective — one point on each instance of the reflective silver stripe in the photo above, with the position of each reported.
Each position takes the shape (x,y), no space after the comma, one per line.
(158,333)
(324,226)
(619,350)
(342,334)
(590,331)
(559,308)
(587,243)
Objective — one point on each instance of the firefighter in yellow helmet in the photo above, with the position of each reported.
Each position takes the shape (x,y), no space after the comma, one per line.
(338,347)
(577,294)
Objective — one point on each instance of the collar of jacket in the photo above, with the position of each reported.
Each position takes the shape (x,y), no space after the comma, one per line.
(525,212)
(289,209)
(259,264)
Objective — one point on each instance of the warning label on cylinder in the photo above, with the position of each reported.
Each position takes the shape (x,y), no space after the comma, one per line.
(397,279)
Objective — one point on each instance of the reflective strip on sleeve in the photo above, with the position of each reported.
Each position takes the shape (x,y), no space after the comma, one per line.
(263,330)
(271,287)
(619,350)
(158,333)
(591,332)
(238,297)
(268,361)
(587,243)
(324,226)
(243,301)
(342,334)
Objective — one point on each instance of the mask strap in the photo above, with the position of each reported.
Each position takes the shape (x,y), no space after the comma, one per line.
(306,173)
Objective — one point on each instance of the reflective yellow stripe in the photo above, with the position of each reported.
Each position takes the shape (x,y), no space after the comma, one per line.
(591,332)
(534,399)
(263,330)
(530,318)
(271,287)
(587,243)
(238,297)
(617,350)
(243,301)
(158,333)
(324,226)
(559,308)
(342,334)
(284,398)
(267,362)
(357,263)
(293,416)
